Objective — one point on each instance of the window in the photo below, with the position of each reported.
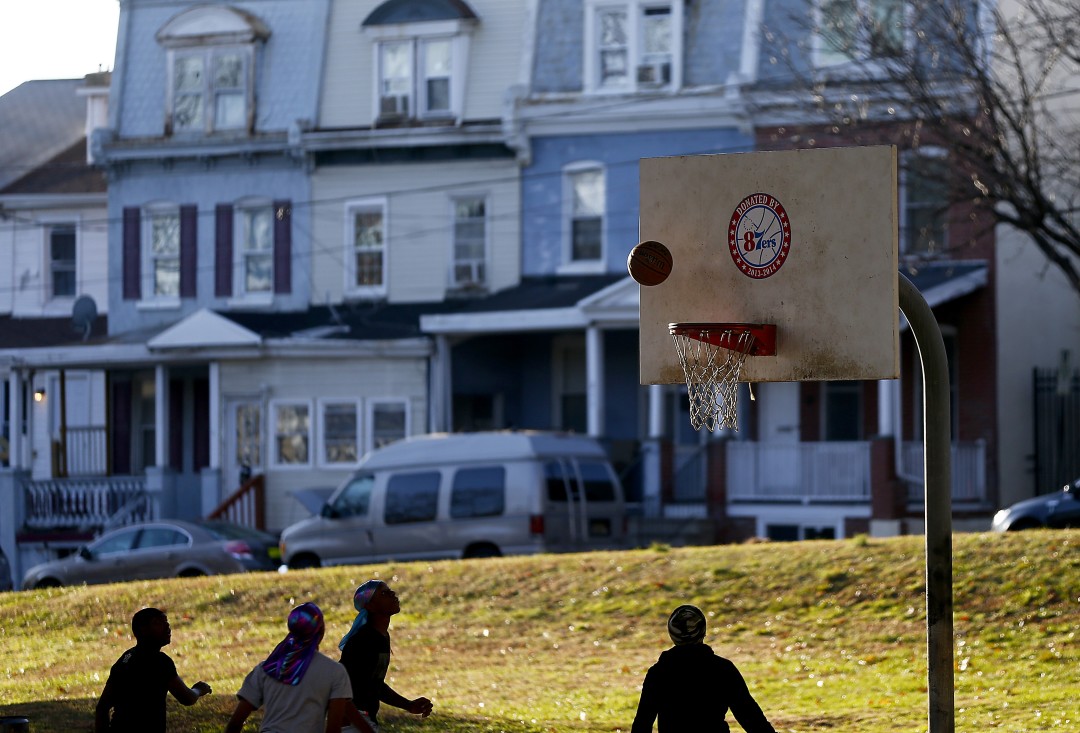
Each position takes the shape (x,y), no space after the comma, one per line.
(354,499)
(415,78)
(117,543)
(843,410)
(412,497)
(340,432)
(633,45)
(163,253)
(62,282)
(292,434)
(162,537)
(853,30)
(255,249)
(597,479)
(389,421)
(478,492)
(470,241)
(926,204)
(365,255)
(211,56)
(586,200)
(420,63)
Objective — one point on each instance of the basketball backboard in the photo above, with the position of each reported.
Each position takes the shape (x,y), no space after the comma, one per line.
(803,239)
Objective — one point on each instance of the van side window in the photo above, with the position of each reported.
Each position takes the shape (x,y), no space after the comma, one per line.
(354,500)
(597,478)
(478,492)
(412,497)
(555,476)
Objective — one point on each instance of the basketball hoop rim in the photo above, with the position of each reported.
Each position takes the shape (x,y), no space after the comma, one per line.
(726,335)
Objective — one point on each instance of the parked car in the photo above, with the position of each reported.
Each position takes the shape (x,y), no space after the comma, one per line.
(466,495)
(5,572)
(161,549)
(1058,510)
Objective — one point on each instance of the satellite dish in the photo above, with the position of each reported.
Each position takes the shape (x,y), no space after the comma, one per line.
(83,313)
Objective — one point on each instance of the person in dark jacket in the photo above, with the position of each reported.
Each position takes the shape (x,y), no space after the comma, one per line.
(139,681)
(690,689)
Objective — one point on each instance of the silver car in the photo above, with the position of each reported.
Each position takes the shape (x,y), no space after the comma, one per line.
(161,549)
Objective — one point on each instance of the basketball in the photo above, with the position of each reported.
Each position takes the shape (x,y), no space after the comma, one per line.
(649,263)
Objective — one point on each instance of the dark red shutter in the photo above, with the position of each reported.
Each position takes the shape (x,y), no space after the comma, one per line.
(132,253)
(282,247)
(189,246)
(223,250)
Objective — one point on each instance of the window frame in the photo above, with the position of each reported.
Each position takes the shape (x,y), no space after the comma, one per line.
(149,293)
(49,226)
(273,459)
(321,432)
(457,32)
(478,266)
(570,265)
(635,45)
(907,175)
(861,52)
(371,405)
(209,94)
(352,208)
(242,211)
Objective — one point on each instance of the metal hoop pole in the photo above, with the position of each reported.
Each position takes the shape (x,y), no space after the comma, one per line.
(937,502)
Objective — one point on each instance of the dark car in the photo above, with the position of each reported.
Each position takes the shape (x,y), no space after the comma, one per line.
(5,572)
(1058,510)
(161,549)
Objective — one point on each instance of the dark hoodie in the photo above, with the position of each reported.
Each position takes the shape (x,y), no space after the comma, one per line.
(691,689)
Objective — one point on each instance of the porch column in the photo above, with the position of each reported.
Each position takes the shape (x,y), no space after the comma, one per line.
(440,407)
(214,411)
(15,443)
(652,459)
(161,416)
(594,380)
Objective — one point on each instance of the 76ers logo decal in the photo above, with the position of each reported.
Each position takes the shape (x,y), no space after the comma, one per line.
(759,236)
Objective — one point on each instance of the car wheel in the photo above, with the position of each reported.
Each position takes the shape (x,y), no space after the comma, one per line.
(483,549)
(47,583)
(191,573)
(304,561)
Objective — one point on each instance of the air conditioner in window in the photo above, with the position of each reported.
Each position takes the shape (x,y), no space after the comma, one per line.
(657,74)
(394,106)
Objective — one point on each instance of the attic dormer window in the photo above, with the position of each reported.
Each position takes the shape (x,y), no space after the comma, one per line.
(211,62)
(633,45)
(421,54)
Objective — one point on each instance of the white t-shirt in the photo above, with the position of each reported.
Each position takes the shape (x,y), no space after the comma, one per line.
(297,708)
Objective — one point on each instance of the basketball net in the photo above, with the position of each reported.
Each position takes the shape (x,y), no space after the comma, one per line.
(712,374)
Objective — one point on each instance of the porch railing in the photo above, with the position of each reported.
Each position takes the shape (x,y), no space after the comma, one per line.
(968,472)
(246,506)
(87,503)
(798,472)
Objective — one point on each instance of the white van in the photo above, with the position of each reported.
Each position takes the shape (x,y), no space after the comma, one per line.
(466,495)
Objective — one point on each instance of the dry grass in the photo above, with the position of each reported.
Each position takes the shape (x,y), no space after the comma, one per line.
(829,635)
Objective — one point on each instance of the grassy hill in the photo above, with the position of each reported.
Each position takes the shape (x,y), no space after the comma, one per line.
(829,635)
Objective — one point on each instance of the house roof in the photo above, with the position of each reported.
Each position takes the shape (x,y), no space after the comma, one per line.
(66,172)
(361,321)
(942,281)
(40,120)
(417,11)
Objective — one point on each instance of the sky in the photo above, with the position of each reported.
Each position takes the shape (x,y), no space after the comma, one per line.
(55,39)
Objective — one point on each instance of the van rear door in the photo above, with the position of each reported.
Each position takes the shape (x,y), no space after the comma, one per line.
(584,507)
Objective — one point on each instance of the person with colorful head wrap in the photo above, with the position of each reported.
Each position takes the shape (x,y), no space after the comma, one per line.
(301,689)
(365,652)
(691,689)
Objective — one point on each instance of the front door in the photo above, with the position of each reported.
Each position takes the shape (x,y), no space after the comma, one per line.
(244,442)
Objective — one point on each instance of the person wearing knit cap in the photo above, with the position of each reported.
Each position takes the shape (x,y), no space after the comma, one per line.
(365,652)
(690,689)
(300,688)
